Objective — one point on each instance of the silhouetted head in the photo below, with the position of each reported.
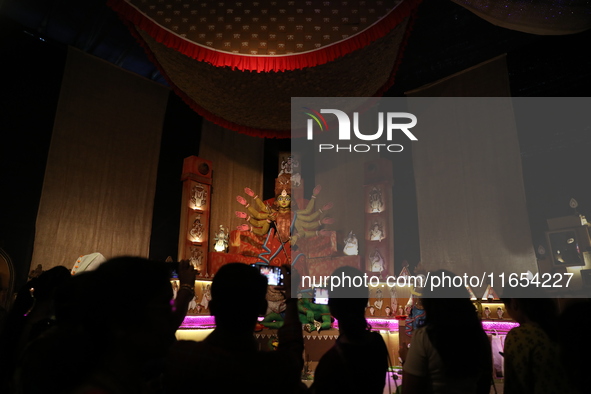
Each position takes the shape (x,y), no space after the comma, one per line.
(532,304)
(129,300)
(441,298)
(348,300)
(575,321)
(131,284)
(71,299)
(41,287)
(48,281)
(238,284)
(445,299)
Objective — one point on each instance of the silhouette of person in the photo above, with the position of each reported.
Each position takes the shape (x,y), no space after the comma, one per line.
(229,360)
(531,352)
(31,315)
(437,364)
(574,323)
(358,361)
(114,326)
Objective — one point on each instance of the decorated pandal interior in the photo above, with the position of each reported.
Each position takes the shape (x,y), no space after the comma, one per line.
(277,232)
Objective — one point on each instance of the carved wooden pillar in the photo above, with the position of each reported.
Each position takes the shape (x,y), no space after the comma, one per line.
(379,239)
(195,212)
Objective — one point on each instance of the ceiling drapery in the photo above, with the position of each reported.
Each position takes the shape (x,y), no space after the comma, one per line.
(238,63)
(543,17)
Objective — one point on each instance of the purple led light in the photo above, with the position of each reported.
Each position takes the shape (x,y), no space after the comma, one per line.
(196,322)
(377,324)
(499,325)
(206,321)
(192,322)
(383,324)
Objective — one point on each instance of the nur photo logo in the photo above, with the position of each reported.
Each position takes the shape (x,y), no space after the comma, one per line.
(390,122)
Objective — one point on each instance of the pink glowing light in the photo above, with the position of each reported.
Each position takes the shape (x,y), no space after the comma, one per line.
(193,322)
(490,325)
(198,322)
(377,324)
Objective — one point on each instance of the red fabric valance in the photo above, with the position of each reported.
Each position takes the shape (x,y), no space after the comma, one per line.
(327,49)
(252,94)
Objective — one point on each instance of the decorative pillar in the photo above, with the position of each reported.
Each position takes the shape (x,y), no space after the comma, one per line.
(195,213)
(379,240)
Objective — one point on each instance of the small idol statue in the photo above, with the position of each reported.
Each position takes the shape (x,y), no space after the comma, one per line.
(198,196)
(221,239)
(351,248)
(377,263)
(376,233)
(388,311)
(379,302)
(196,259)
(376,203)
(196,231)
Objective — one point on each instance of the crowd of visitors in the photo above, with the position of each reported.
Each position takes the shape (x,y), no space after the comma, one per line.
(112,331)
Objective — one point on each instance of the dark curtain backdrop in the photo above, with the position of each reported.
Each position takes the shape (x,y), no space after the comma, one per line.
(181,135)
(28,99)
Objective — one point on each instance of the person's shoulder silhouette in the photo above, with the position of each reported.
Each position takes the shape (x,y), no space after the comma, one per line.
(229,360)
(358,362)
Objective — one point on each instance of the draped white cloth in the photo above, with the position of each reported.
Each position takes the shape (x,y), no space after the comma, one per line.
(470,194)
